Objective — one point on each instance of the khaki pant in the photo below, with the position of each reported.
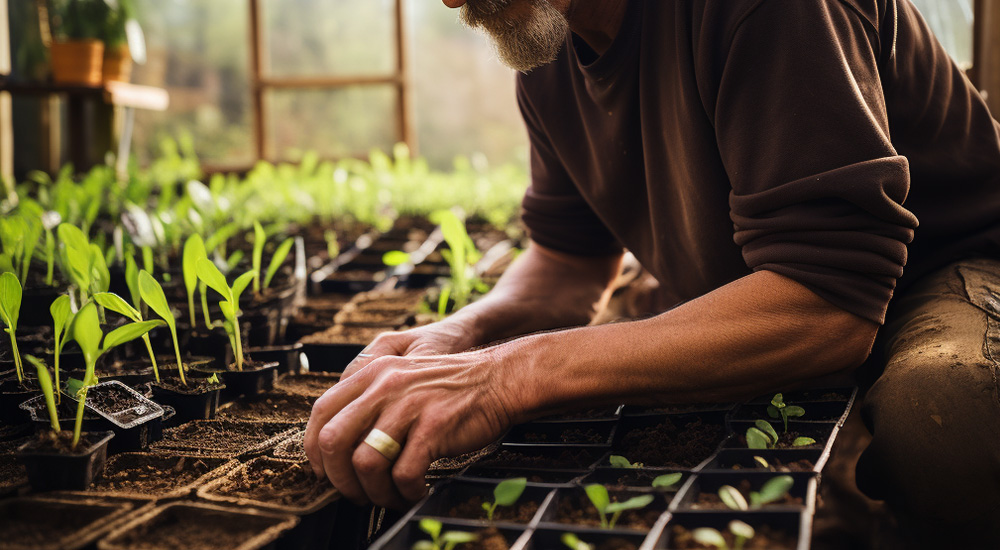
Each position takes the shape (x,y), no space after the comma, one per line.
(930,475)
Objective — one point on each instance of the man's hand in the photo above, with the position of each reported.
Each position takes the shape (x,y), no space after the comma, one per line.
(441,338)
(434,406)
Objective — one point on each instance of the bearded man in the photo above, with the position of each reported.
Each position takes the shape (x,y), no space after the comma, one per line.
(768,162)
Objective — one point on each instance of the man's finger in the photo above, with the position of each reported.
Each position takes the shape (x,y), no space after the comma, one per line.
(409,473)
(324,409)
(374,469)
(337,441)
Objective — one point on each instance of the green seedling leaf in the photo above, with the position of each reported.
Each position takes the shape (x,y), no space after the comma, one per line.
(423,545)
(772,411)
(210,275)
(194,250)
(757,439)
(666,481)
(778,401)
(793,411)
(62,315)
(393,258)
(803,442)
(129,332)
(459,537)
(234,260)
(508,491)
(767,428)
(733,498)
(132,281)
(259,238)
(10,299)
(598,495)
(432,527)
(277,259)
(709,537)
(618,461)
(87,332)
(742,531)
(761,462)
(99,276)
(634,503)
(74,386)
(773,490)
(239,285)
(72,237)
(115,303)
(152,294)
(574,543)
(45,382)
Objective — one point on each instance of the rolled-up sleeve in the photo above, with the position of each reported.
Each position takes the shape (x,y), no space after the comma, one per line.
(553,210)
(817,188)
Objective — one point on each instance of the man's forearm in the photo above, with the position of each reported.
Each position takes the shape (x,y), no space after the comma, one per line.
(758,334)
(542,290)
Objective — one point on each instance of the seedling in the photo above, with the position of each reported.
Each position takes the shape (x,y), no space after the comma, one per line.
(152,295)
(10,309)
(214,278)
(803,442)
(62,319)
(83,263)
(19,236)
(460,255)
(332,246)
(115,303)
(712,537)
(45,383)
(505,493)
(598,495)
(773,490)
(88,334)
(761,435)
(573,542)
(667,481)
(442,541)
(618,461)
(259,239)
(194,250)
(779,409)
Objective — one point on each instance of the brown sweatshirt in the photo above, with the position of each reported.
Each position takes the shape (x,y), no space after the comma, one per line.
(716,138)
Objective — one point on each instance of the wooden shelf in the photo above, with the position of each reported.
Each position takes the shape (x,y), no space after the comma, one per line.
(114,93)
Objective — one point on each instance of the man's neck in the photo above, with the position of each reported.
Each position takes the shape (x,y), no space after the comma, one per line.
(595,21)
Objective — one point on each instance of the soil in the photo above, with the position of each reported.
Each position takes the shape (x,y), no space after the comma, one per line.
(12,472)
(395,300)
(312,384)
(461,461)
(571,436)
(195,386)
(117,403)
(587,414)
(667,445)
(275,483)
(339,334)
(521,512)
(489,539)
(61,443)
(153,475)
(765,538)
(712,501)
(361,318)
(271,407)
(31,523)
(679,409)
(65,410)
(193,528)
(532,477)
(292,448)
(219,437)
(635,478)
(802,465)
(577,509)
(566,460)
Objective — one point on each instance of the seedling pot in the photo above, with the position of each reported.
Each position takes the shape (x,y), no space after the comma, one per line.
(177,475)
(796,525)
(203,526)
(309,384)
(12,394)
(226,438)
(634,479)
(597,434)
(255,378)
(331,357)
(52,471)
(405,534)
(129,413)
(710,483)
(574,499)
(286,356)
(550,537)
(197,403)
(62,523)
(450,500)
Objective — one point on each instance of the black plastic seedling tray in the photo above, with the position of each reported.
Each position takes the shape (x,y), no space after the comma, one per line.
(594,434)
(405,534)
(711,482)
(453,493)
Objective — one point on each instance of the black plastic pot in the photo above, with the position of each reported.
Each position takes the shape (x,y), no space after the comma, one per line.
(286,356)
(538,477)
(132,424)
(797,525)
(46,523)
(331,357)
(404,535)
(449,494)
(12,394)
(212,344)
(49,471)
(551,537)
(577,498)
(197,404)
(562,434)
(711,482)
(255,378)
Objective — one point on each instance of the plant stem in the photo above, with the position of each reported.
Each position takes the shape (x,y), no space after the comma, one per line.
(177,350)
(80,406)
(58,352)
(152,357)
(17,357)
(194,318)
(239,344)
(204,306)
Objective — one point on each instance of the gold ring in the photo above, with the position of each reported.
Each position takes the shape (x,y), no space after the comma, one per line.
(384,444)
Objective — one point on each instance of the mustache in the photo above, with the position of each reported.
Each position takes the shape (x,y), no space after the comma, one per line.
(479,12)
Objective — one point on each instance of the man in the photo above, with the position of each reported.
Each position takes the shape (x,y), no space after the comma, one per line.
(768,162)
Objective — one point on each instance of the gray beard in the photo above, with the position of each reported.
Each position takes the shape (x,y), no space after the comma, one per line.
(525,44)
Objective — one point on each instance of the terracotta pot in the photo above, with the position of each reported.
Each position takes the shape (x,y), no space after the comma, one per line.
(117,64)
(77,62)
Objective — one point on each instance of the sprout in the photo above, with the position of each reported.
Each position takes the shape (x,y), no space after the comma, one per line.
(803,442)
(332,246)
(83,262)
(505,493)
(779,409)
(598,495)
(712,537)
(574,543)
(115,303)
(87,333)
(618,461)
(259,240)
(152,295)
(45,383)
(442,541)
(62,318)
(10,309)
(666,481)
(761,435)
(773,490)
(194,250)
(461,256)
(214,278)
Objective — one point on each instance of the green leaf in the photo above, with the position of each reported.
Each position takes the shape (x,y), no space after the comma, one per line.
(129,332)
(772,411)
(234,260)
(794,411)
(709,537)
(574,543)
(778,401)
(667,480)
(741,529)
(45,383)
(87,332)
(598,495)
(773,490)
(72,237)
(240,284)
(194,250)
(259,238)
(227,311)
(424,545)
(115,303)
(508,491)
(757,439)
(210,275)
(803,442)
(10,299)
(277,259)
(152,294)
(432,527)
(99,274)
(761,462)
(393,258)
(459,537)
(74,386)
(618,461)
(634,503)
(220,236)
(732,498)
(79,267)
(62,314)
(768,429)
(132,281)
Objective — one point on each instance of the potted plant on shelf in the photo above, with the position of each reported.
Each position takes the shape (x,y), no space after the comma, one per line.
(77,50)
(123,42)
